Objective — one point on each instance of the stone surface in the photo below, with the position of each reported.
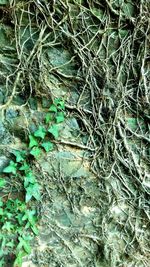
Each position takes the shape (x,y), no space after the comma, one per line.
(4,161)
(5,136)
(45,102)
(11,114)
(33,103)
(84,219)
(1,97)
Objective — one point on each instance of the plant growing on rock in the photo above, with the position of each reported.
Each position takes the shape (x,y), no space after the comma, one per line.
(18,217)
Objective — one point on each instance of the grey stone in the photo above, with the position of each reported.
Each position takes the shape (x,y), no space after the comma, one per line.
(69,129)
(5,136)
(32,128)
(1,98)
(19,100)
(45,102)
(11,114)
(33,103)
(2,130)
(73,124)
(4,161)
(74,96)
(62,59)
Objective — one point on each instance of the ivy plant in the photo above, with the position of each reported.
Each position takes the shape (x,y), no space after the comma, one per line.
(18,218)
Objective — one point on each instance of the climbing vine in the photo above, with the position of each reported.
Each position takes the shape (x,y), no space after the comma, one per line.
(18,215)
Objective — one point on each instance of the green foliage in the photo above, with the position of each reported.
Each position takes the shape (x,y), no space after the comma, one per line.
(24,244)
(13,221)
(48,117)
(29,179)
(2,262)
(20,155)
(47,146)
(41,132)
(35,151)
(24,167)
(33,141)
(33,190)
(54,131)
(60,117)
(11,168)
(17,219)
(59,104)
(53,108)
(18,260)
(2,182)
(30,217)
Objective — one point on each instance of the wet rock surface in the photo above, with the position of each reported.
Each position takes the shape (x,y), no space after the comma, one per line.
(95,184)
(4,161)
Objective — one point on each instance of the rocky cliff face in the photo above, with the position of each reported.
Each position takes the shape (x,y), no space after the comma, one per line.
(95,184)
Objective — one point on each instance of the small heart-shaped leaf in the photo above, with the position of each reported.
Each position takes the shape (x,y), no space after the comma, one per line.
(20,155)
(60,117)
(59,103)
(25,167)
(47,146)
(41,132)
(33,141)
(48,117)
(11,168)
(33,190)
(35,151)
(54,131)
(53,108)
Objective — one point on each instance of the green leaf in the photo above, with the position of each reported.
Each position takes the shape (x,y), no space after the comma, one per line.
(8,226)
(19,218)
(48,118)
(28,193)
(20,155)
(54,131)
(1,203)
(10,244)
(11,168)
(36,191)
(28,225)
(53,108)
(9,215)
(1,212)
(21,206)
(2,182)
(35,230)
(25,167)
(33,141)
(59,103)
(35,151)
(2,262)
(18,261)
(27,247)
(24,244)
(29,178)
(41,132)
(30,216)
(3,241)
(47,146)
(33,190)
(60,117)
